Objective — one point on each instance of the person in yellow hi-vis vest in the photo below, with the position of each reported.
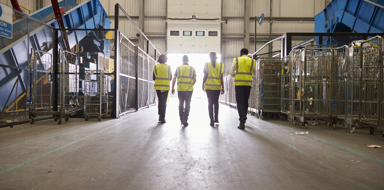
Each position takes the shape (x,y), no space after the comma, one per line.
(186,78)
(212,84)
(242,70)
(162,75)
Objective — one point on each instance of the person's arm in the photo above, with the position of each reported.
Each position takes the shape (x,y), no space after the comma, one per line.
(194,76)
(205,79)
(170,73)
(194,80)
(222,83)
(173,85)
(153,76)
(232,72)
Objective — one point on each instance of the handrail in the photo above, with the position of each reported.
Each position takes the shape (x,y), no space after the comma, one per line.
(29,17)
(262,47)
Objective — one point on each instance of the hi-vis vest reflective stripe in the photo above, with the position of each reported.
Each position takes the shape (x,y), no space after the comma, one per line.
(244,67)
(214,76)
(185,78)
(163,76)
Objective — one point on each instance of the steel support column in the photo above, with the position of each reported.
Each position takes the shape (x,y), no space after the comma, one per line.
(136,61)
(55,64)
(270,47)
(116,94)
(246,23)
(141,23)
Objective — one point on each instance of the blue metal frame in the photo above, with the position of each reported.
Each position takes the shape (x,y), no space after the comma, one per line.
(15,53)
(350,16)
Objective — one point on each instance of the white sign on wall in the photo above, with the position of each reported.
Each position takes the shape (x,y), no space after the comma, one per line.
(6,21)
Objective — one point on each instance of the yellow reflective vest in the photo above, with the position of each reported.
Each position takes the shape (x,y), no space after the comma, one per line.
(163,76)
(214,76)
(244,70)
(185,78)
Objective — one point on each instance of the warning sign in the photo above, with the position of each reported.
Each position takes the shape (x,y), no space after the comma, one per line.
(6,21)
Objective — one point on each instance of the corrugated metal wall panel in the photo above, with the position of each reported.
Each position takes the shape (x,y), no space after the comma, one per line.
(235,25)
(126,27)
(258,7)
(293,8)
(292,27)
(264,28)
(160,45)
(6,2)
(155,8)
(130,6)
(31,5)
(231,48)
(233,8)
(154,25)
(319,6)
(129,29)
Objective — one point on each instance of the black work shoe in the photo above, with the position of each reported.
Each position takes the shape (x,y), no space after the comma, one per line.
(163,121)
(216,120)
(241,126)
(185,124)
(212,123)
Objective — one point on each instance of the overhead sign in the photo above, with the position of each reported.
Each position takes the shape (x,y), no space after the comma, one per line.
(6,21)
(261,19)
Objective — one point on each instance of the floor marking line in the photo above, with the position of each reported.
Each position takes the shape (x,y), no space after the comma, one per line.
(338,146)
(3,148)
(35,158)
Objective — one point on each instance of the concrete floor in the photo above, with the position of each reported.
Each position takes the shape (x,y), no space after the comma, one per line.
(134,152)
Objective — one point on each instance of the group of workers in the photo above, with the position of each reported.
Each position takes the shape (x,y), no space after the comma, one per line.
(242,71)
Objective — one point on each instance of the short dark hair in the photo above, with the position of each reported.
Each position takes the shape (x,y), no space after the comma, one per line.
(244,51)
(185,58)
(162,58)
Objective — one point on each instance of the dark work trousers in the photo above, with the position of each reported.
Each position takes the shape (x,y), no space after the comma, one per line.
(162,96)
(213,101)
(184,97)
(242,96)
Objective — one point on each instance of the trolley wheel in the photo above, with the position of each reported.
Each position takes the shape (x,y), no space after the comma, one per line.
(66,118)
(99,118)
(11,126)
(352,128)
(86,118)
(103,117)
(294,121)
(305,125)
(382,135)
(55,118)
(32,121)
(371,130)
(261,117)
(59,121)
(312,122)
(333,126)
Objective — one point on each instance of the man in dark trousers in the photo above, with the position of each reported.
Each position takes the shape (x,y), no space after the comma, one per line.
(162,76)
(186,78)
(213,84)
(242,71)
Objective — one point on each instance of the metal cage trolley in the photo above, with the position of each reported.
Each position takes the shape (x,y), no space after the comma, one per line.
(371,84)
(41,85)
(95,94)
(266,92)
